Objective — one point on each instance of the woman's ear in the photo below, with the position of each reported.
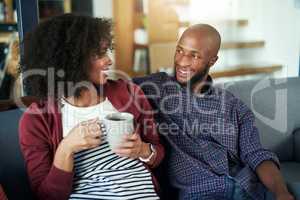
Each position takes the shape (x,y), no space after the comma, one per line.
(212,61)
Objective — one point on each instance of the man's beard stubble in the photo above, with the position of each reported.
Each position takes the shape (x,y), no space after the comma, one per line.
(197,78)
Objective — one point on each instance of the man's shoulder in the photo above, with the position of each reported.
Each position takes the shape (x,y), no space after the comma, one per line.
(157,78)
(229,99)
(222,92)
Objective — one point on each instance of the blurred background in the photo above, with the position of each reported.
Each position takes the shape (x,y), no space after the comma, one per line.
(259,37)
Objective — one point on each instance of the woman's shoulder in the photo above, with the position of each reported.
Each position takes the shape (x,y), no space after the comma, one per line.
(42,107)
(37,120)
(40,111)
(122,85)
(124,94)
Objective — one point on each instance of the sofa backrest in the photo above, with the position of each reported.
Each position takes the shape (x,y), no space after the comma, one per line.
(297,145)
(276,105)
(13,175)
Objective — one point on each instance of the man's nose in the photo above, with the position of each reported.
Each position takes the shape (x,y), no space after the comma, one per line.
(184,60)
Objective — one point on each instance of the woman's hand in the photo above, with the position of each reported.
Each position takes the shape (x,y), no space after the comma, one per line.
(133,147)
(85,135)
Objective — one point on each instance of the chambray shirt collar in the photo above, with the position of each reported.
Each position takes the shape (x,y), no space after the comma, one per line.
(206,90)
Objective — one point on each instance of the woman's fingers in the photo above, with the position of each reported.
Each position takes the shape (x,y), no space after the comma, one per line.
(123,152)
(94,130)
(85,135)
(84,123)
(127,144)
(91,128)
(92,142)
(131,137)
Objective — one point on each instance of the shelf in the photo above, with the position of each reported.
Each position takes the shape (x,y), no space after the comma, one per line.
(67,6)
(4,37)
(229,22)
(141,46)
(178,2)
(224,45)
(242,45)
(242,70)
(8,27)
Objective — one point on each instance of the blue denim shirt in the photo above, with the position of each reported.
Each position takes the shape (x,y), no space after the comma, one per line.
(210,136)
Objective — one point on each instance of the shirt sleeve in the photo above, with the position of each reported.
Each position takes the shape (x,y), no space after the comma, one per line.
(152,86)
(47,181)
(148,126)
(251,150)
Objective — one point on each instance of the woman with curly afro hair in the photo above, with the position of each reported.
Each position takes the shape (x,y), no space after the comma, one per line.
(62,137)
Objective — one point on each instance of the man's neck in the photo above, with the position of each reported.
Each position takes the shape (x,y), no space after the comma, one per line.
(199,87)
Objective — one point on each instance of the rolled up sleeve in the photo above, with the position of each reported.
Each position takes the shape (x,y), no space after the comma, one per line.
(251,151)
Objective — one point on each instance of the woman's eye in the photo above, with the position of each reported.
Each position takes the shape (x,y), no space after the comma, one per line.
(95,56)
(100,55)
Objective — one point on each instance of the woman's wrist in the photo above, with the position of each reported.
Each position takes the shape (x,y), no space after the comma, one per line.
(63,158)
(146,150)
(65,148)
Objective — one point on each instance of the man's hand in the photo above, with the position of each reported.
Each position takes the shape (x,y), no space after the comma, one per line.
(285,196)
(271,177)
(133,147)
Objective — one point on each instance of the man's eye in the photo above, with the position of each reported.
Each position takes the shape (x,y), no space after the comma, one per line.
(179,51)
(195,56)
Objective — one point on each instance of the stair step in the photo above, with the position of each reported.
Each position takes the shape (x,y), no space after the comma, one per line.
(243,44)
(244,69)
(228,22)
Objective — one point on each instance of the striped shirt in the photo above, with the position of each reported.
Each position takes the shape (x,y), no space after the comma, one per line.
(99,173)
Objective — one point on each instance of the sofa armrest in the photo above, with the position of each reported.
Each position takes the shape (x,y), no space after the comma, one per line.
(297,145)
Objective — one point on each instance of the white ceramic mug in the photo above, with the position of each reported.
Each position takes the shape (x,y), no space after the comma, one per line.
(117,124)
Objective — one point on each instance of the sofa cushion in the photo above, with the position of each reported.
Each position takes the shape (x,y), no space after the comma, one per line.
(13,176)
(291,174)
(275,103)
(297,145)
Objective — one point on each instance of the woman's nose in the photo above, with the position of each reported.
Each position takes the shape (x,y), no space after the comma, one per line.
(108,60)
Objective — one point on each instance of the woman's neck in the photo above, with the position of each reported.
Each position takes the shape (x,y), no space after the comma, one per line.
(85,99)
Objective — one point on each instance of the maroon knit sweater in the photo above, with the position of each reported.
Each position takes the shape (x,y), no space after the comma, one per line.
(41,132)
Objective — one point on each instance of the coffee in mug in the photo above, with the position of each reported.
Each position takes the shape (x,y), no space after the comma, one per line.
(117,124)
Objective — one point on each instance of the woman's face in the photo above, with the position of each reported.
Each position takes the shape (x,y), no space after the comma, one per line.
(99,64)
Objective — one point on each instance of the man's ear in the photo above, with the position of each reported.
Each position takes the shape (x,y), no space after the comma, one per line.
(212,61)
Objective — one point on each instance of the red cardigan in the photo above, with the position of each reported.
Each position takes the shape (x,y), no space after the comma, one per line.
(40,133)
(2,194)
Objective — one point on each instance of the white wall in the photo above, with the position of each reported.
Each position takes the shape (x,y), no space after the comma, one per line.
(279,25)
(277,22)
(103,8)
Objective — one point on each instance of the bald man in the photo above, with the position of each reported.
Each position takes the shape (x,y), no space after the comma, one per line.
(213,147)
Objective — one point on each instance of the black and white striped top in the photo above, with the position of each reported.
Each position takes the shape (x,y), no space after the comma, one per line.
(101,174)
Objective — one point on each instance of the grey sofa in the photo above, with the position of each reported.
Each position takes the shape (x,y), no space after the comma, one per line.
(274,102)
(276,105)
(13,177)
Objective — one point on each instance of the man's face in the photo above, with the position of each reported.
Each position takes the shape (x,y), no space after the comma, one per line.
(191,59)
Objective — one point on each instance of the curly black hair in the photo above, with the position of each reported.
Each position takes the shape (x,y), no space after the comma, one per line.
(64,44)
